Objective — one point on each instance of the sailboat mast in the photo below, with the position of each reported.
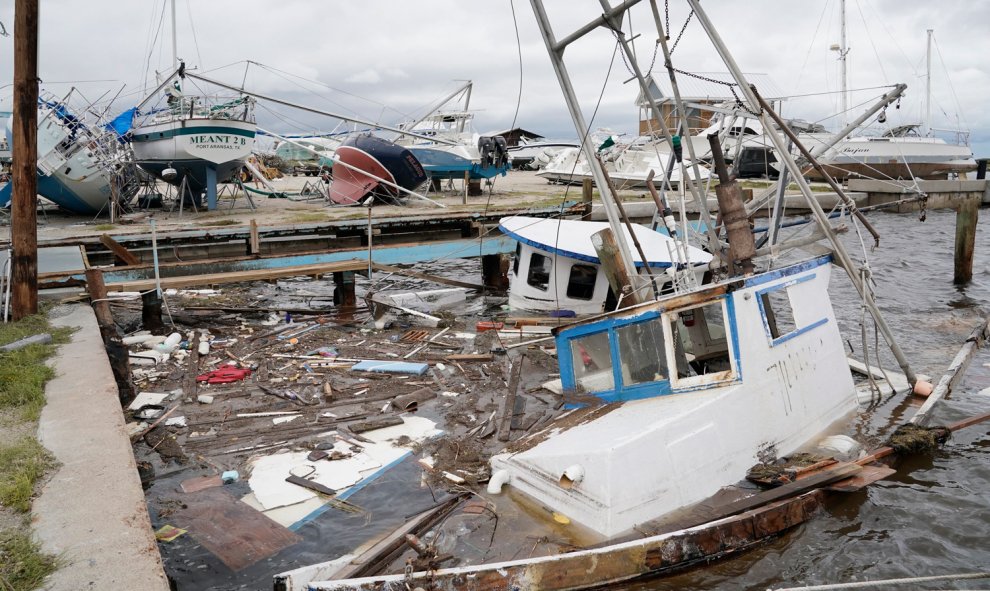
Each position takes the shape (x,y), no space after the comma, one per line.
(927,123)
(175,44)
(843,73)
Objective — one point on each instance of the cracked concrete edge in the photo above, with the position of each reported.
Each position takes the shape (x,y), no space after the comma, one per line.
(92,511)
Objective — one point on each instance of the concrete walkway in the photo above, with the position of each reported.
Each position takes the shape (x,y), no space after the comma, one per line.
(92,512)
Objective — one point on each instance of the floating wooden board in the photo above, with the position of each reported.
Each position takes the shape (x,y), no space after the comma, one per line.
(234,532)
(869,475)
(183,281)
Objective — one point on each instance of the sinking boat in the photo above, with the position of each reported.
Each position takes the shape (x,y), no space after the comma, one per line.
(671,399)
(81,162)
(371,166)
(556,267)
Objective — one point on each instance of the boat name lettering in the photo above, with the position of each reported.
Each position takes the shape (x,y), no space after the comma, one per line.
(218,141)
(855,150)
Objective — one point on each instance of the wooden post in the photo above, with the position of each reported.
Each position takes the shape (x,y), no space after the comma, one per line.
(343,291)
(587,188)
(467,185)
(505,421)
(494,272)
(151,310)
(615,271)
(24,200)
(254,242)
(474,188)
(967,214)
(116,351)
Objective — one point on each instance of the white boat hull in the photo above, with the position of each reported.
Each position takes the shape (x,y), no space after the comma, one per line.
(642,459)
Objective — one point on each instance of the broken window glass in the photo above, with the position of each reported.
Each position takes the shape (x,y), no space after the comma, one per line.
(539,271)
(592,361)
(642,353)
(701,346)
(581,283)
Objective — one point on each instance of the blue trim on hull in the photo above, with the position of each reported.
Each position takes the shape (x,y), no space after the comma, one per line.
(55,191)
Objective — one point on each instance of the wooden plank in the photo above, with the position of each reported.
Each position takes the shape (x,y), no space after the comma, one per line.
(238,276)
(427,277)
(234,532)
(119,251)
(470,357)
(953,374)
(869,475)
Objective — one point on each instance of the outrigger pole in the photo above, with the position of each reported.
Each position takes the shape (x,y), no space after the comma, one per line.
(845,261)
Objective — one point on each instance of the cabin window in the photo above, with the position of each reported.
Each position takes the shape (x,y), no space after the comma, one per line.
(700,345)
(782,320)
(642,353)
(581,283)
(539,271)
(591,358)
(777,313)
(515,259)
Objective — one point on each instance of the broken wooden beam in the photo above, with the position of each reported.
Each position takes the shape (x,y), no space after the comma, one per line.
(119,251)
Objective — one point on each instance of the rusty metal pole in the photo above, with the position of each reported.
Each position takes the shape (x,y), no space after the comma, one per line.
(742,247)
(24,201)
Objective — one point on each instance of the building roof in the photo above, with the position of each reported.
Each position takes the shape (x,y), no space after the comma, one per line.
(696,89)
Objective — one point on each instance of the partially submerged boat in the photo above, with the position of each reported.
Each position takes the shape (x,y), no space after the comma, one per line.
(556,267)
(371,166)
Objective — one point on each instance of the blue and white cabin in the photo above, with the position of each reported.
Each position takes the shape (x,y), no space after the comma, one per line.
(681,395)
(556,267)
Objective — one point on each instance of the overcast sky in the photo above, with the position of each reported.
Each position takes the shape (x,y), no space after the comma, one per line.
(385,60)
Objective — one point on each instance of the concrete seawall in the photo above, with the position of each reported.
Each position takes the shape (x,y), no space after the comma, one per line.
(92,511)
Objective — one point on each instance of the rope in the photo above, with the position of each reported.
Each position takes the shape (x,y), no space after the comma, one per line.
(904,581)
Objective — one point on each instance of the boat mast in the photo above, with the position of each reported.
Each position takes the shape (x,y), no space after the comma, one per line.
(556,51)
(927,123)
(843,76)
(175,43)
(844,260)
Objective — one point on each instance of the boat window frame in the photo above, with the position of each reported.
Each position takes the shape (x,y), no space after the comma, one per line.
(620,392)
(570,280)
(798,329)
(731,375)
(529,271)
(515,259)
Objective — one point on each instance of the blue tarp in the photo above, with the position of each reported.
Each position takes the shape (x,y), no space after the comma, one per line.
(122,123)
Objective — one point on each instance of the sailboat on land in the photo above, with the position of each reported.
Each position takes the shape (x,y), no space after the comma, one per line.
(82,162)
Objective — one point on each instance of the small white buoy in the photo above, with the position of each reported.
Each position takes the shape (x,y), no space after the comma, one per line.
(923,388)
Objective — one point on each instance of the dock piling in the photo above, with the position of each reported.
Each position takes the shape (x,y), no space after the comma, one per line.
(116,350)
(587,187)
(967,214)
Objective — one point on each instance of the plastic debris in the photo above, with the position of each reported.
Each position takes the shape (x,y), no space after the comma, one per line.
(230,476)
(225,374)
(167,533)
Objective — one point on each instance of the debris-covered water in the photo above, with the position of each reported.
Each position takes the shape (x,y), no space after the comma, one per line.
(930,518)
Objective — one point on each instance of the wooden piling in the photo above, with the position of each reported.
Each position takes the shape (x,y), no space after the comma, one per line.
(343,291)
(494,271)
(116,351)
(24,200)
(967,215)
(254,241)
(616,273)
(587,191)
(467,187)
(151,310)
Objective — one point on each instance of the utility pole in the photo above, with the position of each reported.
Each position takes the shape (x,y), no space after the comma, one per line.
(24,207)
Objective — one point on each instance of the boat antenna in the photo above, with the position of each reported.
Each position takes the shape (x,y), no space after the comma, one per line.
(843,50)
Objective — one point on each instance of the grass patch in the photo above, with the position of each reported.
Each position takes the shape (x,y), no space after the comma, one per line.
(22,564)
(219,223)
(309,217)
(23,372)
(21,466)
(104,227)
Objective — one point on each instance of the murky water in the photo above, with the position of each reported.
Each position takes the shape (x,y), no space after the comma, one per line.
(930,518)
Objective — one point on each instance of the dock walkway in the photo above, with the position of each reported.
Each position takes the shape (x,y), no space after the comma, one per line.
(92,511)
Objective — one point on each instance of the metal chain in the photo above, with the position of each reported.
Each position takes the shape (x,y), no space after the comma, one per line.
(619,36)
(730,85)
(681,34)
(666,18)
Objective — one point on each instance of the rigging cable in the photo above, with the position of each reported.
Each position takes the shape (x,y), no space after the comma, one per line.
(192,25)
